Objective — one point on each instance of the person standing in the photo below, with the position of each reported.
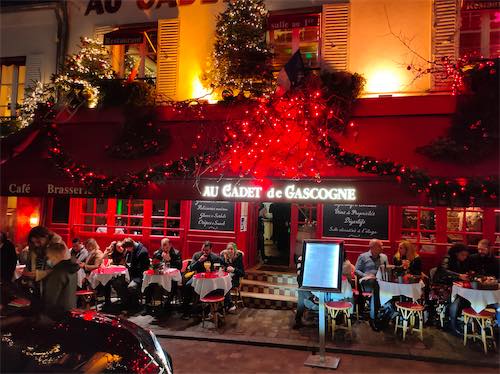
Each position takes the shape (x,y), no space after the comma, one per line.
(78,251)
(8,259)
(366,267)
(60,285)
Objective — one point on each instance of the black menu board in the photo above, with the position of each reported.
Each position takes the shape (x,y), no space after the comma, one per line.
(212,215)
(356,221)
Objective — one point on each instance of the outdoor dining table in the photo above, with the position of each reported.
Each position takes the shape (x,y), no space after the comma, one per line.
(204,283)
(388,290)
(478,299)
(163,278)
(104,274)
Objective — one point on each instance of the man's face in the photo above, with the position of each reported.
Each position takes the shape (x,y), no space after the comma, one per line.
(39,242)
(119,247)
(376,249)
(483,250)
(462,256)
(166,246)
(76,246)
(206,250)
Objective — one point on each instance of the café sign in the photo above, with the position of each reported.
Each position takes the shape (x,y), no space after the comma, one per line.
(113,6)
(290,192)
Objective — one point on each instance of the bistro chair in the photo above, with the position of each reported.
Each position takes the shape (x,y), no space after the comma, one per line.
(336,308)
(185,264)
(484,320)
(405,319)
(87,297)
(215,302)
(357,293)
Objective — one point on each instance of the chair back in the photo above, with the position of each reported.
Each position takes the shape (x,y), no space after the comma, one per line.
(185,264)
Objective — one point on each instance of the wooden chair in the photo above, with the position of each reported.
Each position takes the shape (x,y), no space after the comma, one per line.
(407,312)
(356,292)
(334,308)
(484,321)
(215,302)
(87,296)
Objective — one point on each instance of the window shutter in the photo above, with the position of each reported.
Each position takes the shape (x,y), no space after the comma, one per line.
(99,32)
(445,35)
(335,36)
(167,59)
(33,70)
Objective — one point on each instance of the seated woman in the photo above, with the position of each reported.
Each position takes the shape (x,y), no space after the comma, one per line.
(94,260)
(232,262)
(407,258)
(116,255)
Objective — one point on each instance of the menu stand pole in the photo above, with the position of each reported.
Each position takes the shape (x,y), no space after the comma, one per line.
(321,360)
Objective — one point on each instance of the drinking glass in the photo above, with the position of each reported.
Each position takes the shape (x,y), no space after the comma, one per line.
(207,266)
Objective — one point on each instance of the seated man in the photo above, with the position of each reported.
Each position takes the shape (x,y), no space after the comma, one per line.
(78,251)
(366,269)
(59,285)
(483,262)
(137,259)
(115,255)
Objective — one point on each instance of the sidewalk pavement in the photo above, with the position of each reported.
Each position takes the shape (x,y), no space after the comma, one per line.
(273,328)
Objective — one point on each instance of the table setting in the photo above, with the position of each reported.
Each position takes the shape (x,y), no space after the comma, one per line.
(479,292)
(103,275)
(392,284)
(204,283)
(163,278)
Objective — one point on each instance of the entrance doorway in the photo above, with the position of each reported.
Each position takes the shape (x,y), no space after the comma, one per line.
(274,233)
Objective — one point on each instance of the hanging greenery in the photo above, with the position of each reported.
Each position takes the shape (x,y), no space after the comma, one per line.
(241,58)
(474,133)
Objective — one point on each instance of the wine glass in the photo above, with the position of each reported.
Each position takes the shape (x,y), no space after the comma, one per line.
(207,266)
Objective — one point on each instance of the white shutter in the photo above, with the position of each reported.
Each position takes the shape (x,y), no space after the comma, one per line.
(445,34)
(99,32)
(335,36)
(167,59)
(33,70)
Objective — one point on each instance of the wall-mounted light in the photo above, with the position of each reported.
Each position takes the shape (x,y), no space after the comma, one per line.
(34,220)
(383,81)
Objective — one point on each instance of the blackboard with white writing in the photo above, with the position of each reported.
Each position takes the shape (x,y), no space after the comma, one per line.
(356,221)
(212,215)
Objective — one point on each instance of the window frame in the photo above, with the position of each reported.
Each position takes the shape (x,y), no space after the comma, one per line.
(484,31)
(423,245)
(15,100)
(166,219)
(463,229)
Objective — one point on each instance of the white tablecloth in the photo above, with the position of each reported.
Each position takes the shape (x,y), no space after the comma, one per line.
(164,280)
(478,299)
(19,271)
(80,277)
(345,294)
(203,286)
(95,277)
(390,289)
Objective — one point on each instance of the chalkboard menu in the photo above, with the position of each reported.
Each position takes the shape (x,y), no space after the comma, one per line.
(356,221)
(212,215)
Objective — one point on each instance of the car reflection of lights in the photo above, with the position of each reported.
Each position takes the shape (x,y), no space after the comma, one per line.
(45,357)
(159,351)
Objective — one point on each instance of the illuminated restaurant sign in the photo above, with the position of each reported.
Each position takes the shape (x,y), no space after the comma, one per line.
(113,6)
(288,192)
(52,189)
(472,5)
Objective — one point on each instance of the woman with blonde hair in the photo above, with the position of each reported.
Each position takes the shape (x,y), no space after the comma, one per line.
(232,262)
(407,258)
(94,260)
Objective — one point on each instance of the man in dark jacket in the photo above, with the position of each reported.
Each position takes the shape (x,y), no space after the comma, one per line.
(60,284)
(199,258)
(8,258)
(483,262)
(168,254)
(137,260)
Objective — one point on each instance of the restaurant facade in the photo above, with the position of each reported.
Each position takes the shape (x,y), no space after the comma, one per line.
(170,43)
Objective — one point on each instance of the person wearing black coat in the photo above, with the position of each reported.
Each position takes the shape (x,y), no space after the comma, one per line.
(137,260)
(483,262)
(8,258)
(455,266)
(168,255)
(232,262)
(199,258)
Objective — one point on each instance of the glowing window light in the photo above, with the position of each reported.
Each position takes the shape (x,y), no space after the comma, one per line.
(200,92)
(382,81)
(34,220)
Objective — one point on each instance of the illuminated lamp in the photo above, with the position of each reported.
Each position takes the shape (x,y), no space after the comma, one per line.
(34,220)
(383,81)
(200,92)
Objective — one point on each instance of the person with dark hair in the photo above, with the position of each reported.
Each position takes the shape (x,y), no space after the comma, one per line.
(137,259)
(454,266)
(8,258)
(60,285)
(78,251)
(199,258)
(168,255)
(115,253)
(36,269)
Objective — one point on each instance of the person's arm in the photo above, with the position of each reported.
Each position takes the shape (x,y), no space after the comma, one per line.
(360,266)
(144,261)
(195,264)
(176,260)
(239,268)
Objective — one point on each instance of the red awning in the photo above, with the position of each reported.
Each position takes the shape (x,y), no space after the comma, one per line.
(392,134)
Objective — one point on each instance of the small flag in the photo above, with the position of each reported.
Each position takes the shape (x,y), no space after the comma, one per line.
(291,74)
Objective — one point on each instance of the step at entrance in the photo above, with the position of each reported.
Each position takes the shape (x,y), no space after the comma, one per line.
(269,290)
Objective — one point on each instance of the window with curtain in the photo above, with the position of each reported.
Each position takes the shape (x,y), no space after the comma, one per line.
(12,82)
